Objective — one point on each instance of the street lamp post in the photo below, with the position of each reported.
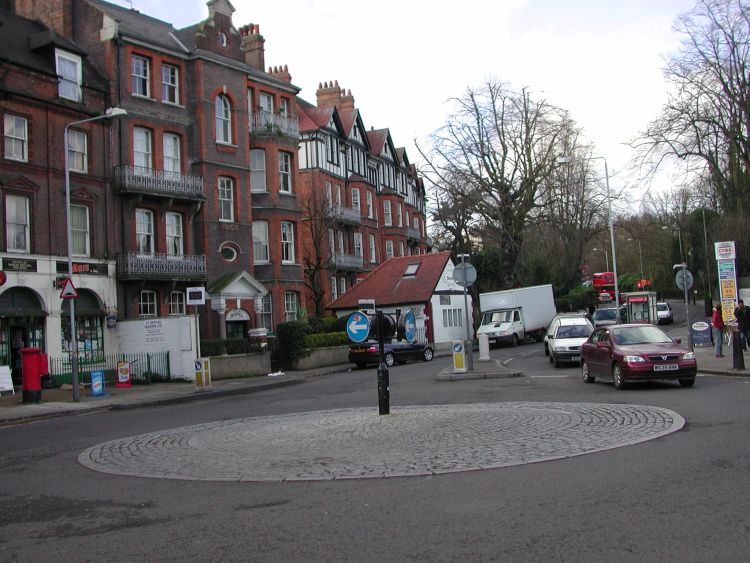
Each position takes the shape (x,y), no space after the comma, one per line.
(109,113)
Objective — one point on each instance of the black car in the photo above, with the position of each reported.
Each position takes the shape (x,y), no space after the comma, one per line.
(395,353)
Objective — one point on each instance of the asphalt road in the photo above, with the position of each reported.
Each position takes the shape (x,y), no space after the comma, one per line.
(681,497)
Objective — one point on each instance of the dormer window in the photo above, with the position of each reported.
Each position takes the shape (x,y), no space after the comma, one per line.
(69,75)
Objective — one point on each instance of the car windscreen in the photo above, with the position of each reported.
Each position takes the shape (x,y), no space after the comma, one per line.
(605,314)
(496,317)
(573,331)
(627,336)
(662,307)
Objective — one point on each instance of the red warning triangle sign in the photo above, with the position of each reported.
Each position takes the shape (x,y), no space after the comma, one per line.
(68,290)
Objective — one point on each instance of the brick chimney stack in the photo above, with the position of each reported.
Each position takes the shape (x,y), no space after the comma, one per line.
(253,46)
(55,14)
(282,73)
(330,94)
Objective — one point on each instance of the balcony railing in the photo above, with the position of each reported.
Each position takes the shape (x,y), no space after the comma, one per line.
(343,261)
(135,179)
(412,233)
(137,266)
(274,124)
(345,214)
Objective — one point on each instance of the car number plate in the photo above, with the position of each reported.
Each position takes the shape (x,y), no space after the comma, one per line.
(666,367)
(575,358)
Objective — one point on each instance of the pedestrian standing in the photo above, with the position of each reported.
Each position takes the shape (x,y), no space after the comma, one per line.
(742,314)
(717,327)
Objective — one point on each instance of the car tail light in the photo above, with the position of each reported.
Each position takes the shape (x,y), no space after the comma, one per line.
(372,349)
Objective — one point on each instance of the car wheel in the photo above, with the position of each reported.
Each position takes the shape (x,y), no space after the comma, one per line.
(428,354)
(555,361)
(586,374)
(515,340)
(687,382)
(389,360)
(617,377)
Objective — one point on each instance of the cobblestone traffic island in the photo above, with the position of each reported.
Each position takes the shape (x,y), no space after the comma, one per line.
(359,443)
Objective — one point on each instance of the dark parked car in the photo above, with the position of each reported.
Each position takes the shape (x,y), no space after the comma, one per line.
(395,353)
(636,352)
(604,316)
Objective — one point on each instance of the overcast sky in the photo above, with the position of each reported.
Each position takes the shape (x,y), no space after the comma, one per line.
(402,60)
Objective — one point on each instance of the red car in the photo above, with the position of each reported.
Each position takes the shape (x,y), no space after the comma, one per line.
(636,352)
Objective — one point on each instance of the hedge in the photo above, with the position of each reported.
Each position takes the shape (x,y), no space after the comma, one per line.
(326,339)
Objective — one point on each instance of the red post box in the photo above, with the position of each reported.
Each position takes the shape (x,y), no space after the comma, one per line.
(32,378)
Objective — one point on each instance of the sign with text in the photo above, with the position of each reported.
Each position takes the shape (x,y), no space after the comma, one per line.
(196,296)
(19,265)
(725,250)
(82,268)
(6,380)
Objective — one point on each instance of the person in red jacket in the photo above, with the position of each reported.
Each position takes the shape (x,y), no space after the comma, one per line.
(717,326)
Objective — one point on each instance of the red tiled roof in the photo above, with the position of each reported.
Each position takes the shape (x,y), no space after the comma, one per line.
(387,286)
(377,140)
(313,118)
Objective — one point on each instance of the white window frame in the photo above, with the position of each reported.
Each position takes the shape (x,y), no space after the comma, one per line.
(285,172)
(400,216)
(177,304)
(16,131)
(329,193)
(17,228)
(147,303)
(172,158)
(387,217)
(334,289)
(356,204)
(400,248)
(225,186)
(287,242)
(223,121)
(143,159)
(261,249)
(140,76)
(337,193)
(170,84)
(284,106)
(265,102)
(266,314)
(175,234)
(370,208)
(78,152)
(80,231)
(388,249)
(258,179)
(342,285)
(291,306)
(373,251)
(69,83)
(144,231)
(358,245)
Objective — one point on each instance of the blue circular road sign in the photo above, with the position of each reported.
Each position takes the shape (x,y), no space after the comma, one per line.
(410,326)
(357,327)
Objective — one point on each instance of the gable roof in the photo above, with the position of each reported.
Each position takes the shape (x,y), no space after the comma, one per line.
(388,286)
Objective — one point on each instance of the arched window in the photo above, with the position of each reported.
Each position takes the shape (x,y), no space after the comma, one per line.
(223,119)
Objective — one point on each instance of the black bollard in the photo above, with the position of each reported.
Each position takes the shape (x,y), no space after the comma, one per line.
(738,358)
(384,394)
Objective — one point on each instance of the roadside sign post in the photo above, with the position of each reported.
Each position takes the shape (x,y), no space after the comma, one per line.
(464,274)
(358,329)
(684,280)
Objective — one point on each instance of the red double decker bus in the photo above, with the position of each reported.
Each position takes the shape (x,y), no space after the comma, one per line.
(604,282)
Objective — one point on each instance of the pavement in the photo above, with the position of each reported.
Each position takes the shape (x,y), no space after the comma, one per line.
(59,402)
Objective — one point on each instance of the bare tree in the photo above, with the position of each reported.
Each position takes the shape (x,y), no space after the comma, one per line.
(318,220)
(706,120)
(497,149)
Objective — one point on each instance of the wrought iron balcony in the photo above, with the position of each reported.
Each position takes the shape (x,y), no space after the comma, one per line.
(264,123)
(412,233)
(138,266)
(345,214)
(343,261)
(138,180)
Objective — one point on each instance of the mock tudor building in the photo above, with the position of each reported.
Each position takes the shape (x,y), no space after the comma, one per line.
(205,182)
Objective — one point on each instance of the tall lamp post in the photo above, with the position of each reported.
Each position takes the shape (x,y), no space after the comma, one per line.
(109,113)
(609,220)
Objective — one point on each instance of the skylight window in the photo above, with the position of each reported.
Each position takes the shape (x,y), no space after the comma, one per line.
(411,270)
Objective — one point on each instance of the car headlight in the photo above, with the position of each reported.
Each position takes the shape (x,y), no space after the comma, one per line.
(688,356)
(557,348)
(633,359)
(503,333)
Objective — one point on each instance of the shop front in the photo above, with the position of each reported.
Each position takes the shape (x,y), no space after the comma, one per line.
(22,325)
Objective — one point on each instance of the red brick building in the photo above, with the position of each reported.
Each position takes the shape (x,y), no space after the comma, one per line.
(206,182)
